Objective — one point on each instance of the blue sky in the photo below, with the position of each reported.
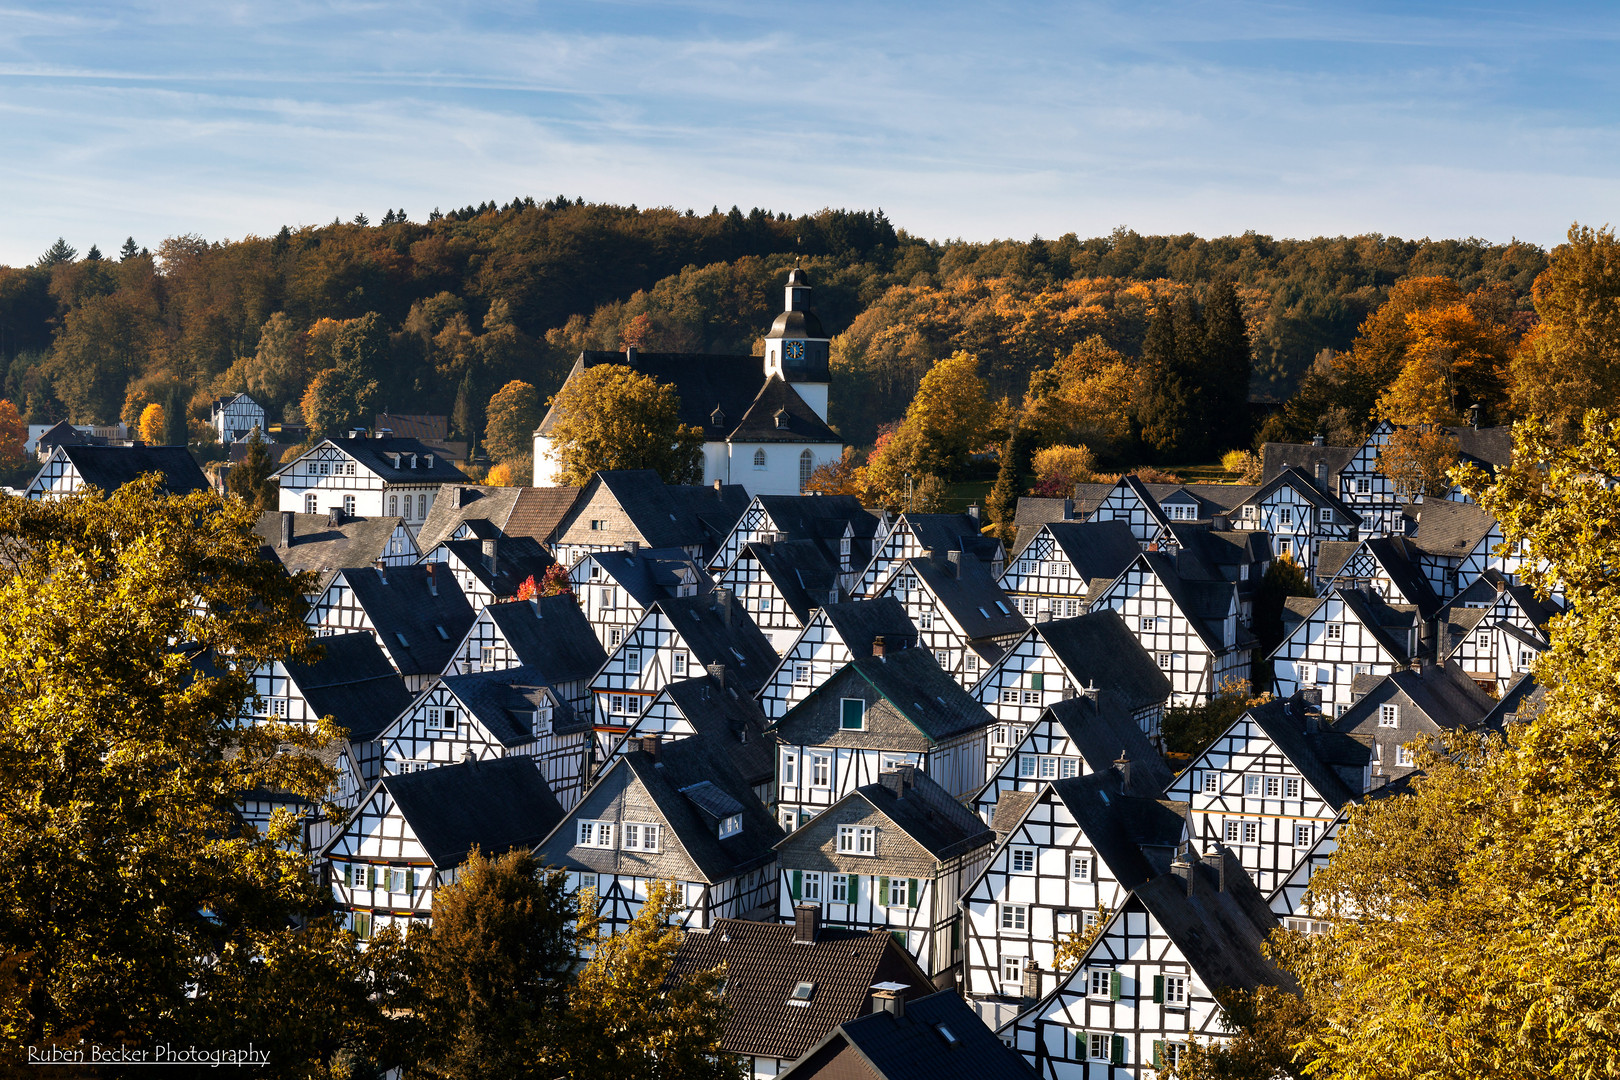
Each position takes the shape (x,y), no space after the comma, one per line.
(977,120)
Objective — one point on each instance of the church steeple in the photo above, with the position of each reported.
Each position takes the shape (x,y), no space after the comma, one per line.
(796,348)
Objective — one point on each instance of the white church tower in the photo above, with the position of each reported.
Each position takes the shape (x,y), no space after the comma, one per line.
(797,348)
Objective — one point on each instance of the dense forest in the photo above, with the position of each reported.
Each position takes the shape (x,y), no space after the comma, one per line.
(442,314)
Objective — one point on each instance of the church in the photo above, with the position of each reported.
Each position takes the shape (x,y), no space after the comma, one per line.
(764,419)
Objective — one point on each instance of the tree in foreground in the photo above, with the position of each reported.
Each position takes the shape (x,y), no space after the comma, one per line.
(632,1019)
(1477,920)
(135,906)
(610,417)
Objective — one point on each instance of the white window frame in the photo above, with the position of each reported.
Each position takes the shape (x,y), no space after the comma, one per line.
(641,836)
(595,834)
(790,768)
(1021,860)
(1081,868)
(1389,715)
(1013,916)
(821,770)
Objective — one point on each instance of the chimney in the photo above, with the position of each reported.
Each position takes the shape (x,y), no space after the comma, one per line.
(463,497)
(382,571)
(490,547)
(1089,690)
(650,745)
(1473,416)
(1321,473)
(467,756)
(1220,522)
(806,923)
(722,600)
(632,548)
(631,355)
(1215,859)
(955,559)
(878,646)
(334,516)
(1068,509)
(888,1001)
(1182,866)
(717,672)
(717,489)
(973,512)
(1032,980)
(286,528)
(1312,697)
(1122,765)
(413,461)
(900,779)
(1318,440)
(433,581)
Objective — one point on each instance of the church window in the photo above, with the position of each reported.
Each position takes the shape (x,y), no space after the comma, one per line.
(807,465)
(393,506)
(759,459)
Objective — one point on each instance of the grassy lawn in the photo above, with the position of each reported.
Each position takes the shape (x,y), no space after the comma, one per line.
(1210,473)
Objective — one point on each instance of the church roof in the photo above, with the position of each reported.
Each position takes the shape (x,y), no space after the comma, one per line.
(779,414)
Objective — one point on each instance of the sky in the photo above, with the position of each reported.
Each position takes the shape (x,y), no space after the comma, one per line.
(979,120)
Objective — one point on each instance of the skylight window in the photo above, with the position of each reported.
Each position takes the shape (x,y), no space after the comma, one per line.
(1001,607)
(403,643)
(443,634)
(802,994)
(945,1033)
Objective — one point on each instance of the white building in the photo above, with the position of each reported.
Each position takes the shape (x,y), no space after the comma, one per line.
(368,478)
(236,417)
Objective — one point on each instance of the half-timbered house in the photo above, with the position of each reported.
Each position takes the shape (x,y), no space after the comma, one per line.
(837,524)
(493,714)
(1457,544)
(891,855)
(914,536)
(1072,854)
(1298,513)
(548,635)
(413,831)
(325,543)
(1056,660)
(636,506)
(1146,989)
(1150,509)
(417,613)
(1407,707)
(615,588)
(789,984)
(669,811)
(1495,630)
(1090,732)
(962,616)
(1269,785)
(880,711)
(677,639)
(491,568)
(706,707)
(781,583)
(365,477)
(1387,566)
(1330,641)
(1192,627)
(1055,574)
(236,417)
(831,638)
(69,468)
(936,1036)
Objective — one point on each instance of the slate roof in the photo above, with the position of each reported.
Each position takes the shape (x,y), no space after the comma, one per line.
(1032,512)
(672,515)
(502,701)
(1331,555)
(1314,493)
(517,558)
(354,684)
(550,635)
(922,810)
(912,1047)
(323,547)
(1386,622)
(1521,702)
(779,414)
(1205,553)
(1276,457)
(1096,549)
(703,382)
(716,637)
(966,590)
(651,574)
(912,681)
(951,532)
(406,605)
(434,427)
(859,621)
(374,454)
(1099,650)
(799,570)
(496,805)
(1103,730)
(1318,755)
(1450,529)
(63,433)
(1205,603)
(111,467)
(1492,586)
(1446,696)
(1212,499)
(458,503)
(732,720)
(1488,446)
(1120,826)
(1398,556)
(820,517)
(764,965)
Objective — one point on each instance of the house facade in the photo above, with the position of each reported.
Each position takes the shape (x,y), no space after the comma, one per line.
(831,638)
(366,477)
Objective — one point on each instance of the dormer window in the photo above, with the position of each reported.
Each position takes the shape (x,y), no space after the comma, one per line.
(718,417)
(730,826)
(781,418)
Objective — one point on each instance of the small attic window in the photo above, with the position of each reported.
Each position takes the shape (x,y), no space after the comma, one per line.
(781,418)
(403,643)
(802,994)
(1002,607)
(443,634)
(730,826)
(718,417)
(945,1033)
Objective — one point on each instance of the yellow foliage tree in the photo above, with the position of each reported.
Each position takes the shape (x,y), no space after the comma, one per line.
(1571,363)
(499,475)
(13,438)
(950,417)
(152,425)
(611,417)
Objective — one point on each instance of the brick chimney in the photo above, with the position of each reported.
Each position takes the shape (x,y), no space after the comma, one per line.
(632,548)
(1032,980)
(955,560)
(650,745)
(722,600)
(1215,859)
(878,645)
(889,1001)
(717,672)
(286,528)
(491,550)
(1184,866)
(806,923)
(900,779)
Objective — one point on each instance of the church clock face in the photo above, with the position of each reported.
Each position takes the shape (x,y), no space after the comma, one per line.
(792,350)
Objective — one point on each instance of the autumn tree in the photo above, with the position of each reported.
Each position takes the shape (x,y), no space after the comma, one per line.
(1418,460)
(612,417)
(841,477)
(491,974)
(1059,468)
(950,416)
(1086,398)
(632,1018)
(152,425)
(250,479)
(1571,362)
(13,440)
(514,412)
(141,908)
(1190,729)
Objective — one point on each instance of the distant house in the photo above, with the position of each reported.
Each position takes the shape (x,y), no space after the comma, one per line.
(836,524)
(962,616)
(781,584)
(325,543)
(366,477)
(457,512)
(1331,641)
(789,984)
(1298,512)
(892,855)
(708,706)
(1389,566)
(1407,707)
(1064,562)
(937,1037)
(547,634)
(915,536)
(635,506)
(417,613)
(1495,630)
(1151,509)
(412,832)
(236,417)
(616,587)
(831,638)
(71,468)
(491,569)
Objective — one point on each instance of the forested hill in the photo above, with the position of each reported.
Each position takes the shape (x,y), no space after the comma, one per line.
(474,298)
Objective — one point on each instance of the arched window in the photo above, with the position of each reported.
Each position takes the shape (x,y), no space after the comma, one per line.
(759,459)
(807,465)
(393,506)
(309,503)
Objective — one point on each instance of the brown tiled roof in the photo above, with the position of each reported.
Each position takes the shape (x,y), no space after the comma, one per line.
(765,964)
(538,510)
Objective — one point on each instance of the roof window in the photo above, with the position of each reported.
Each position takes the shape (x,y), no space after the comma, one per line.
(443,635)
(402,641)
(802,994)
(945,1033)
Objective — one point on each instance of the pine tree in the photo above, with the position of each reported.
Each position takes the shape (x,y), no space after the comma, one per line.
(1192,367)
(250,479)
(1163,411)
(175,431)
(1002,505)
(128,251)
(93,255)
(59,252)
(1226,344)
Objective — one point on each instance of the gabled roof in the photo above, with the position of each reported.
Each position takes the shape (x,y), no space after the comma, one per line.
(324,547)
(432,426)
(517,558)
(858,622)
(1488,446)
(1318,755)
(1202,551)
(1211,499)
(405,606)
(819,517)
(764,964)
(496,805)
(391,460)
(1398,557)
(732,721)
(965,589)
(779,414)
(703,382)
(1446,696)
(798,569)
(912,681)
(458,503)
(725,635)
(1276,457)
(652,574)
(1314,493)
(1382,619)
(63,433)
(1104,731)
(1033,511)
(1522,701)
(922,810)
(111,467)
(550,635)
(1099,650)
(672,515)
(1096,549)
(1450,529)
(354,684)
(503,702)
(951,532)
(1120,826)
(913,1046)
(1206,604)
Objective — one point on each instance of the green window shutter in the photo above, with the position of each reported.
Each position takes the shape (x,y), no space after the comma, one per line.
(1158,989)
(882,897)
(854,888)
(795,883)
(1118,1056)
(1037,681)
(854,714)
(1113,986)
(912,899)
(899,937)
(410,881)
(1158,1053)
(371,877)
